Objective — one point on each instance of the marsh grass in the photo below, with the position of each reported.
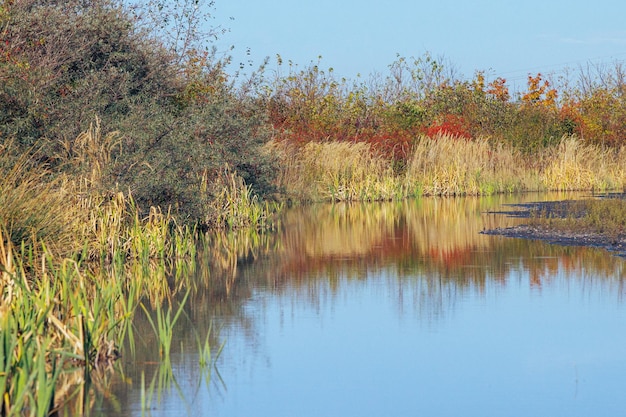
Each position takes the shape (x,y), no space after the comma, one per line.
(448,165)
(575,165)
(34,205)
(29,363)
(65,315)
(443,166)
(90,153)
(234,205)
(334,171)
(75,309)
(163,325)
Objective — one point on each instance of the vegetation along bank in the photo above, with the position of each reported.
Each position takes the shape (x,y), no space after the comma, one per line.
(120,144)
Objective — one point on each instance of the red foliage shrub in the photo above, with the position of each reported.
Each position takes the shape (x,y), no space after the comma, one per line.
(571,119)
(395,145)
(451,125)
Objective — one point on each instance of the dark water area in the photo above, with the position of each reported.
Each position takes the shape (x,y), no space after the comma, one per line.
(394,309)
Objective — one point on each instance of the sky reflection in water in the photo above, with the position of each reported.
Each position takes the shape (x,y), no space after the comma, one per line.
(406,311)
(508,351)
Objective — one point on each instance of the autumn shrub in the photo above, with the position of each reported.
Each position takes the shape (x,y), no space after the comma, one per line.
(164,162)
(311,104)
(68,62)
(603,113)
(449,125)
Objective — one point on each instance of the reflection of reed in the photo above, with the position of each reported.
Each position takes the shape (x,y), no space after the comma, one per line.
(430,251)
(425,255)
(430,237)
(223,251)
(339,230)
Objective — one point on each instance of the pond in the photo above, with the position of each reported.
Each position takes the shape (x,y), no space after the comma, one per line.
(394,309)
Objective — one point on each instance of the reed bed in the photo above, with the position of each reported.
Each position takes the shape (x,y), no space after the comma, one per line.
(574,165)
(34,205)
(235,206)
(443,166)
(335,171)
(61,314)
(75,263)
(448,165)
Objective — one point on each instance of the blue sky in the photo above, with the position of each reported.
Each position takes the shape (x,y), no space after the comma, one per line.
(504,38)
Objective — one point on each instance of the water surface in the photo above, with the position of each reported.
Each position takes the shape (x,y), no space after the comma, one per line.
(395,309)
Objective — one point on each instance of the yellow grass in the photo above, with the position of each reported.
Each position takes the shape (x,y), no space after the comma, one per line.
(34,205)
(574,165)
(334,171)
(443,166)
(451,166)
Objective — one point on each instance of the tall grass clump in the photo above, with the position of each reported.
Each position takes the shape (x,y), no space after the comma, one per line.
(576,165)
(449,165)
(36,205)
(234,204)
(75,261)
(59,314)
(334,171)
(50,321)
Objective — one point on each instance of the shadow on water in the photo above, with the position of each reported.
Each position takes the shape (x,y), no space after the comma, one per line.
(427,254)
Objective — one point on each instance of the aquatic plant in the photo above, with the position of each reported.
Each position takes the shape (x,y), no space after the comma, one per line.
(65,314)
(449,165)
(575,165)
(443,165)
(163,325)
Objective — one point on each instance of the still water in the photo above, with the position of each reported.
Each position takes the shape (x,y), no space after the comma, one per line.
(395,309)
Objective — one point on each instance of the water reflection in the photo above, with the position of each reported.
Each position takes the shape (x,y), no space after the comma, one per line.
(436,241)
(342,300)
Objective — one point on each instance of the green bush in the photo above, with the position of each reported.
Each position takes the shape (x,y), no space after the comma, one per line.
(68,62)
(65,63)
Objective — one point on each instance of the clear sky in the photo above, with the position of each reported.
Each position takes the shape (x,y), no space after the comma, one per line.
(504,38)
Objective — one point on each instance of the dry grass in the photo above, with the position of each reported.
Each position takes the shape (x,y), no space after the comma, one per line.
(443,166)
(34,205)
(448,165)
(90,152)
(235,206)
(574,165)
(334,171)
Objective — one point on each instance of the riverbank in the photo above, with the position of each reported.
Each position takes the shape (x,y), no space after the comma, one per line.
(552,222)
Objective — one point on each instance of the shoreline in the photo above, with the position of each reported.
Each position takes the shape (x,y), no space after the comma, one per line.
(557,236)
(562,237)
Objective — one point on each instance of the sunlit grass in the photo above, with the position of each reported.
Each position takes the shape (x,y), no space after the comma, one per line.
(71,316)
(443,166)
(335,171)
(34,205)
(75,262)
(574,165)
(448,165)
(236,206)
(163,325)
